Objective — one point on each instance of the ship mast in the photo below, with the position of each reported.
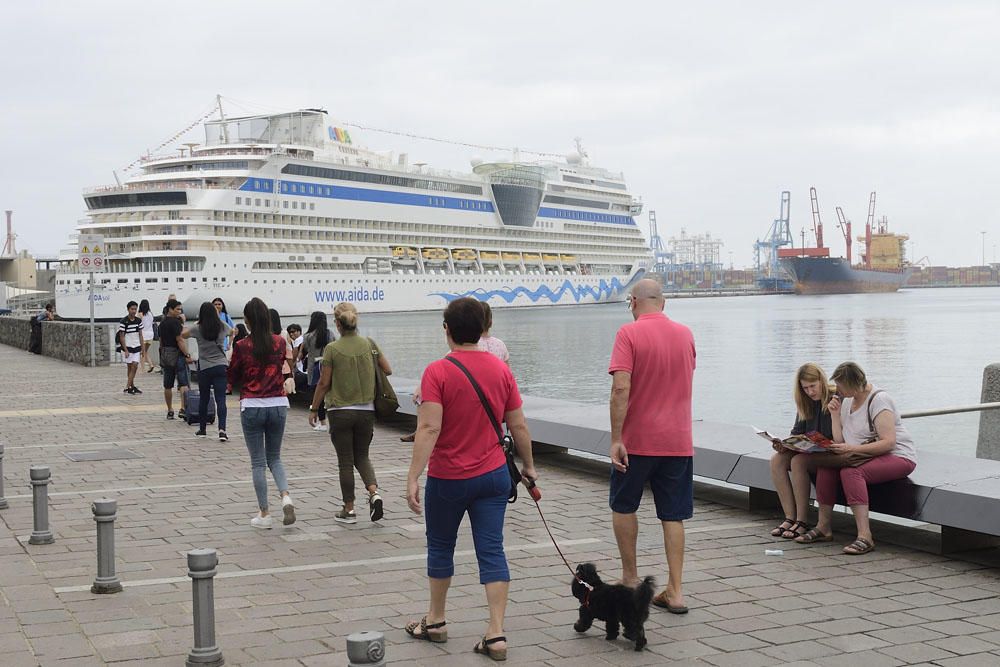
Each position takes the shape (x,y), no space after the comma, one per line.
(222,116)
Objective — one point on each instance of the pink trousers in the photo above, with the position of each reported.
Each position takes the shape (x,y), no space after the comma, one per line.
(855,481)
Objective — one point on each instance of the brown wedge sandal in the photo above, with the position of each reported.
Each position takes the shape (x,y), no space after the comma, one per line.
(438,636)
(485,648)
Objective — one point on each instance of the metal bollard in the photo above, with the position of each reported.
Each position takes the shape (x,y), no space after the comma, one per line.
(3,500)
(40,477)
(366,649)
(201,569)
(105,512)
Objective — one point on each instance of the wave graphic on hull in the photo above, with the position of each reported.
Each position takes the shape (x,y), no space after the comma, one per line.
(604,290)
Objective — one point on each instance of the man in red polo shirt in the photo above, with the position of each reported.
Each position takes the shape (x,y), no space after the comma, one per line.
(652,365)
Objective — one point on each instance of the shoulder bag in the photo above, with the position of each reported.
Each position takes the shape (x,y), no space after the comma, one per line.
(386,402)
(854,459)
(504,440)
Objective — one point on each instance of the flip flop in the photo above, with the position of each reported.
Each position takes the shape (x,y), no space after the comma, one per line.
(661,602)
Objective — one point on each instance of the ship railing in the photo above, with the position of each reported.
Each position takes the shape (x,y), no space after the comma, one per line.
(157,186)
(976,407)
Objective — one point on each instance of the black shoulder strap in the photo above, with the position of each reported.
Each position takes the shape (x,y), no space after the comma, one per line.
(482,397)
(871,422)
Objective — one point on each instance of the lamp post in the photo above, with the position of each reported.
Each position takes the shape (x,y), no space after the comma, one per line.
(984,247)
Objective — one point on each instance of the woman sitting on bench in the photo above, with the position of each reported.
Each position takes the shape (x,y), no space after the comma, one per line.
(868,434)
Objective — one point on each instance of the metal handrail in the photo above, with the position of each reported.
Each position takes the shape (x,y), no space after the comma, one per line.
(950,411)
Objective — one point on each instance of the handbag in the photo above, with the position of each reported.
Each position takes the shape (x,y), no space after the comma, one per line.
(504,440)
(854,459)
(386,402)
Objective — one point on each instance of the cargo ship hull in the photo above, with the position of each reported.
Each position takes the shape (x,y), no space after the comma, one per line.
(831,275)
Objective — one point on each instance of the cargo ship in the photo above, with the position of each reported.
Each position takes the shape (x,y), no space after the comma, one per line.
(883,266)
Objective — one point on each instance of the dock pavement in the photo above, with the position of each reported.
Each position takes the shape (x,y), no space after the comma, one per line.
(291,595)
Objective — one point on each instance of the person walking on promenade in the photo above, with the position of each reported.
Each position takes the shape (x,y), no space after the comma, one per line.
(256,367)
(875,446)
(812,395)
(147,335)
(220,308)
(276,329)
(311,353)
(295,337)
(130,340)
(211,333)
(174,357)
(652,365)
(347,384)
(489,343)
(467,471)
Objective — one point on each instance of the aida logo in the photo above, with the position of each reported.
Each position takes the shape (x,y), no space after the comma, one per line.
(339,134)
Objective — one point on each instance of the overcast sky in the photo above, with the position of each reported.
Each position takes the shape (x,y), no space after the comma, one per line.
(710,109)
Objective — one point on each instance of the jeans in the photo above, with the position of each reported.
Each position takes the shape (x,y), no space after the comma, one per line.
(213,378)
(263,429)
(855,481)
(445,503)
(351,433)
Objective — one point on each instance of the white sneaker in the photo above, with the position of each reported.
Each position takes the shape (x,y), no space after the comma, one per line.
(289,509)
(375,506)
(262,522)
(321,427)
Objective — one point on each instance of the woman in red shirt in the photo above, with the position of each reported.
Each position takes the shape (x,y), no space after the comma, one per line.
(257,367)
(468,471)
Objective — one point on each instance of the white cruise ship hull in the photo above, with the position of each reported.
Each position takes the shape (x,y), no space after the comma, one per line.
(370,293)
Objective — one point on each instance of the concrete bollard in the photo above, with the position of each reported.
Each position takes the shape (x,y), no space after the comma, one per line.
(105,512)
(201,569)
(988,446)
(3,500)
(40,477)
(366,649)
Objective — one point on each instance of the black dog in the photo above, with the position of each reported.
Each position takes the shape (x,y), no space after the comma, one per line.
(613,604)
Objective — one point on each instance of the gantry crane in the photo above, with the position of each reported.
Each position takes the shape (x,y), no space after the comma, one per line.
(769,273)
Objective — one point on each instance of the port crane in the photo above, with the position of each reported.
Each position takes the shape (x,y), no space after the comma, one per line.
(817,222)
(845,228)
(661,258)
(769,273)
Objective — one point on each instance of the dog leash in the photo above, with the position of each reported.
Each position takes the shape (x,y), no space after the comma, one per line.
(536,495)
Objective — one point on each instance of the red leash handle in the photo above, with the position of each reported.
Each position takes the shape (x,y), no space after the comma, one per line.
(536,493)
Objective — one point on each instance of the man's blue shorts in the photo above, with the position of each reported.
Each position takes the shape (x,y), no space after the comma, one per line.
(670,477)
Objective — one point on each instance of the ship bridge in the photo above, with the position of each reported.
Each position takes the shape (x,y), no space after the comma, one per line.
(517,190)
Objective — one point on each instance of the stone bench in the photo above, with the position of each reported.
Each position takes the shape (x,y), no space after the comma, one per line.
(960,494)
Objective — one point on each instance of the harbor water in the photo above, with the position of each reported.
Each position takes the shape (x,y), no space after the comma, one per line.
(926,347)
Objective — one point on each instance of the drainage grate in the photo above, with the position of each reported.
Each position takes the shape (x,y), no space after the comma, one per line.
(103,455)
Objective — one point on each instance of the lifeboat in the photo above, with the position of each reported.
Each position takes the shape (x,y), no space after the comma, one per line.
(568,259)
(404,254)
(489,256)
(434,254)
(550,259)
(511,256)
(463,255)
(532,257)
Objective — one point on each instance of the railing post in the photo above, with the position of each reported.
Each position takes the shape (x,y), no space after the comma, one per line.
(366,649)
(202,568)
(105,512)
(988,446)
(40,476)
(3,500)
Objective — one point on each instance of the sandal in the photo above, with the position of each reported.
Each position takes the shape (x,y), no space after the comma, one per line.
(798,529)
(858,547)
(783,527)
(485,648)
(812,535)
(425,631)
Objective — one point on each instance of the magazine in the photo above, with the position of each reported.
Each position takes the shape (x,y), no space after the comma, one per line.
(805,443)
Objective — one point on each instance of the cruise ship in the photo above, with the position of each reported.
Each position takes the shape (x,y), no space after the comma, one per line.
(286,207)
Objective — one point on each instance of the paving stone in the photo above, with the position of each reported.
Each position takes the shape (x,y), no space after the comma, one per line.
(963,645)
